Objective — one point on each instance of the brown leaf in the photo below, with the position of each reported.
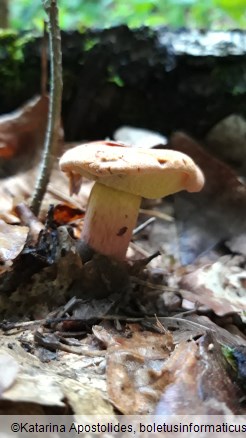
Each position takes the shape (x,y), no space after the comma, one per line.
(221,286)
(12,241)
(202,384)
(180,394)
(24,128)
(134,379)
(133,387)
(223,336)
(19,188)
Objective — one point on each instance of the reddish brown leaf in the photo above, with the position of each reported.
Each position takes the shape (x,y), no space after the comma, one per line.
(64,214)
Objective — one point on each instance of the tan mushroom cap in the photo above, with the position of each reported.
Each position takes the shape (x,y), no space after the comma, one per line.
(150,173)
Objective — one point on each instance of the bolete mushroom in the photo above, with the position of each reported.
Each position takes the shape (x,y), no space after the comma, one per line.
(123,175)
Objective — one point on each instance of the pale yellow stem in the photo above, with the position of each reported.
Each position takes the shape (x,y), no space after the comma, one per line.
(110,218)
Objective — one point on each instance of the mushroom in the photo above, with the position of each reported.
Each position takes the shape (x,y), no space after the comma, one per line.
(123,175)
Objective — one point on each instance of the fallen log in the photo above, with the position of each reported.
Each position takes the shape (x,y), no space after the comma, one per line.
(156,79)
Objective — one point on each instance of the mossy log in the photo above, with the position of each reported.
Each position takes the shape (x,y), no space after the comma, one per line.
(155,79)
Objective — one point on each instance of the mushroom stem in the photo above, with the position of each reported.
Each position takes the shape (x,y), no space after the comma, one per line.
(110,218)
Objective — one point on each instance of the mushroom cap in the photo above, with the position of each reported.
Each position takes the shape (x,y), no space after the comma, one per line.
(150,173)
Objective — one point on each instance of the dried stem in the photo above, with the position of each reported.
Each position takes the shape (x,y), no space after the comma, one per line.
(52,133)
(44,61)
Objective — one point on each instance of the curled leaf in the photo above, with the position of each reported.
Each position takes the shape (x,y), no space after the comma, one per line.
(12,241)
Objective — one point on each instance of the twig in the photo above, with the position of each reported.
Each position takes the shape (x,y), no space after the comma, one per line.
(44,61)
(140,250)
(51,139)
(28,219)
(157,287)
(176,322)
(156,213)
(142,226)
(81,351)
(10,328)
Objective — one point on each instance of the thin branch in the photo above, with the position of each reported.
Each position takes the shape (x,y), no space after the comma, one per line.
(142,226)
(44,61)
(52,133)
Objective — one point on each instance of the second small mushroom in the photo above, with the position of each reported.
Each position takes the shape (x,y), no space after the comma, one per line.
(123,175)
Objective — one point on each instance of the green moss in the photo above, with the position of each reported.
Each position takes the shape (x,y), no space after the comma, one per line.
(90,43)
(228,354)
(115,78)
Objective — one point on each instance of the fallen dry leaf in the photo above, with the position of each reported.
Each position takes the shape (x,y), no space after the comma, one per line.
(201,383)
(64,214)
(8,371)
(221,286)
(73,382)
(22,132)
(223,336)
(18,188)
(12,241)
(134,361)
(133,385)
(180,393)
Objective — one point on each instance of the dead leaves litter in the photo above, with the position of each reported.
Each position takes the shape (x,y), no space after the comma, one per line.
(166,365)
(201,383)
(134,360)
(221,286)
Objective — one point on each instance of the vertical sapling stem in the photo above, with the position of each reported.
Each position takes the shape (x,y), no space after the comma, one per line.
(54,116)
